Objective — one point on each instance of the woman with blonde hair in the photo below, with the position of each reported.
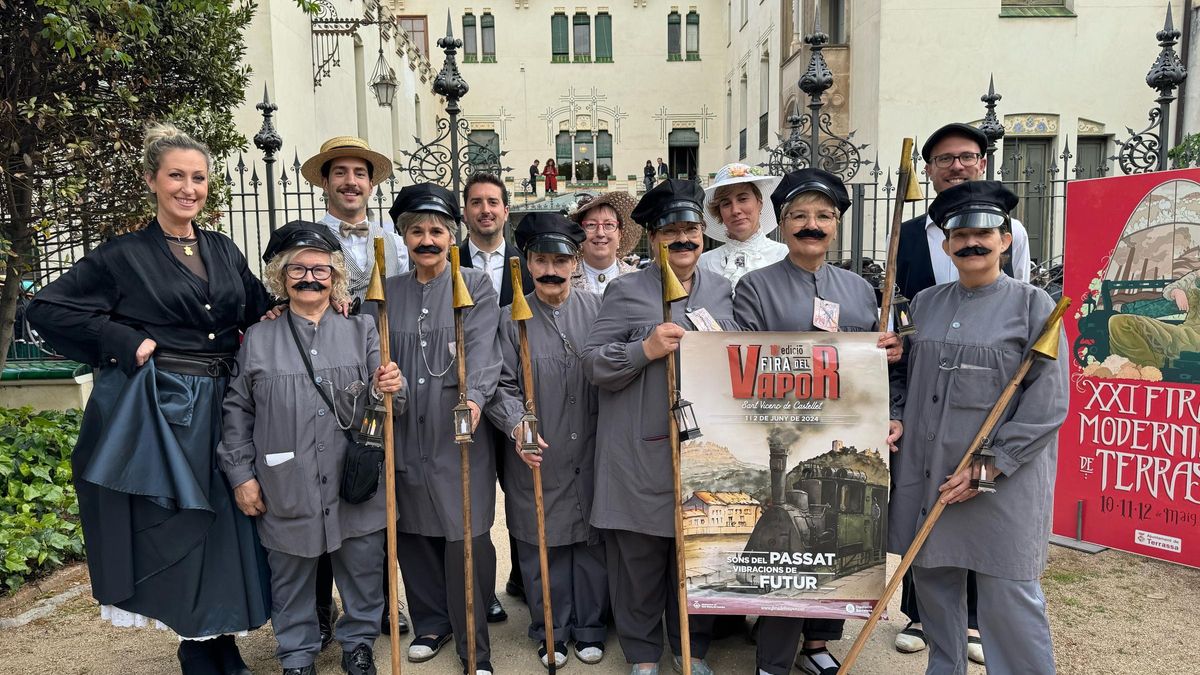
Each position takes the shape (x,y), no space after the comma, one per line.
(159,313)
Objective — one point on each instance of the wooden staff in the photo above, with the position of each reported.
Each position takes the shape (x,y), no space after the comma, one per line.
(673,291)
(462,300)
(520,314)
(906,185)
(1046,347)
(375,294)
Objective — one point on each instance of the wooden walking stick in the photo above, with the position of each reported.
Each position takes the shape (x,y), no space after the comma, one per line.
(463,435)
(520,314)
(673,291)
(1046,347)
(375,294)
(906,185)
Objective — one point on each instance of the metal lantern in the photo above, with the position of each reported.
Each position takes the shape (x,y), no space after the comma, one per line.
(685,420)
(901,316)
(462,422)
(374,417)
(527,442)
(983,468)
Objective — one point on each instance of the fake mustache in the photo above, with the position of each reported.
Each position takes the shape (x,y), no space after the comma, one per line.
(309,286)
(550,279)
(810,233)
(428,248)
(968,251)
(682,246)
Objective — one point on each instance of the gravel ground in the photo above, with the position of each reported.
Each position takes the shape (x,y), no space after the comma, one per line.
(1110,613)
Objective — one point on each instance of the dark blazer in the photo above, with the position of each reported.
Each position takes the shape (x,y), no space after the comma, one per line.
(914,271)
(506,293)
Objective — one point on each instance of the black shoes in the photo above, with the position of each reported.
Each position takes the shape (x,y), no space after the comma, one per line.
(515,586)
(326,618)
(215,656)
(227,654)
(422,649)
(495,611)
(310,669)
(480,667)
(385,624)
(361,661)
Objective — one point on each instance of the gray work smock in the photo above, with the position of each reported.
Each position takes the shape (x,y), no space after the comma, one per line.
(634,490)
(567,405)
(428,465)
(968,345)
(273,408)
(779,297)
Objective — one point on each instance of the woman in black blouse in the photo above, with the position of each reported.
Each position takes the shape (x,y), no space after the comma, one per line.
(158,313)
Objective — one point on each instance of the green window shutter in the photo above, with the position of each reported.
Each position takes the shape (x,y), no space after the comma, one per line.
(469,50)
(559,36)
(673,37)
(692,37)
(583,37)
(487,33)
(604,38)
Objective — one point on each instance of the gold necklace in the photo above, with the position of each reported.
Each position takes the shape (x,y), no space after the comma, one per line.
(183,242)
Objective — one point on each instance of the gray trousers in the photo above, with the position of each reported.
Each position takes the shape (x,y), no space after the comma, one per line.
(641,585)
(779,638)
(578,591)
(358,568)
(1014,629)
(436,589)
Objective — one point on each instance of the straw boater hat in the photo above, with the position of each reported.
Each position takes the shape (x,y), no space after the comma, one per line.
(347,146)
(732,174)
(621,202)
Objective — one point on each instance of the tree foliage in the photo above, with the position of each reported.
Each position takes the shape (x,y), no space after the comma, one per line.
(81,79)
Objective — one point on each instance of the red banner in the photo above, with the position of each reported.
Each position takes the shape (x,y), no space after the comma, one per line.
(1128,450)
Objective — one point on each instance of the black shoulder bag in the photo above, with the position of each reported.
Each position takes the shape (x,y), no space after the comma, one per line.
(363,463)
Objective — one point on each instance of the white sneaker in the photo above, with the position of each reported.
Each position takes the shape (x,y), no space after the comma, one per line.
(975,649)
(589,652)
(560,654)
(911,640)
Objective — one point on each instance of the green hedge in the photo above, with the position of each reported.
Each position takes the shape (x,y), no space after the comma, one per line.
(39,517)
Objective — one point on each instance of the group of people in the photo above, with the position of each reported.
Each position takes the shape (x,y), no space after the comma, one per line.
(549,172)
(213,464)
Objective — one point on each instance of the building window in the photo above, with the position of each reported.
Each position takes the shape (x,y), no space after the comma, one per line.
(833,20)
(692,35)
(415,26)
(483,151)
(673,37)
(487,25)
(744,93)
(728,116)
(1093,157)
(604,155)
(559,36)
(583,37)
(604,37)
(1036,8)
(470,48)
(764,101)
(562,155)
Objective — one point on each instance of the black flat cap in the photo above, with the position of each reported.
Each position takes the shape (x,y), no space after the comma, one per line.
(976,203)
(425,198)
(797,183)
(953,129)
(301,234)
(549,233)
(671,201)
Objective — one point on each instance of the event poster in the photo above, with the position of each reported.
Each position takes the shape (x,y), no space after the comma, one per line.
(785,494)
(1127,466)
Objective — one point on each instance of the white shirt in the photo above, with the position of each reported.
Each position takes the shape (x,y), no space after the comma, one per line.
(356,246)
(595,283)
(944,270)
(735,258)
(493,263)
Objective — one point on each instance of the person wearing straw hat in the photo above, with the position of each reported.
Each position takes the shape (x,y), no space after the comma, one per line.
(429,502)
(348,171)
(566,404)
(804,293)
(611,235)
(734,213)
(625,358)
(973,335)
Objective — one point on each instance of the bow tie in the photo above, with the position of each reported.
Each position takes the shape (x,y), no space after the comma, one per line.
(360,229)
